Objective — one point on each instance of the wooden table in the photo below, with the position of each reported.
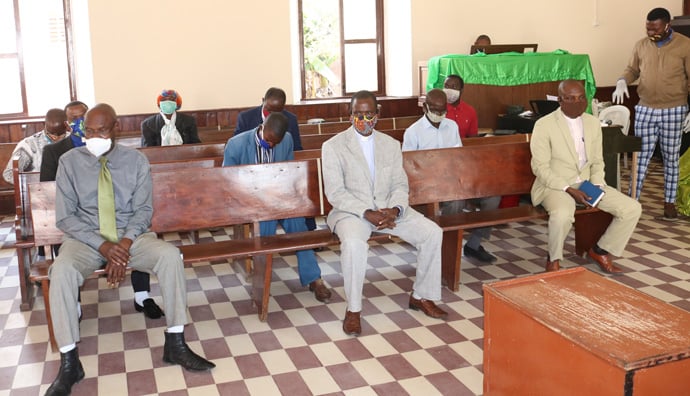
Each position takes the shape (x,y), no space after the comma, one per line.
(574,332)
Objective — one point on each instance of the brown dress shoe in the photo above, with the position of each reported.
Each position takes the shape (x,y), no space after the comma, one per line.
(605,262)
(554,265)
(428,307)
(351,324)
(321,292)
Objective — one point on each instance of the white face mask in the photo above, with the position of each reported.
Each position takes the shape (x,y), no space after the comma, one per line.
(435,118)
(452,94)
(98,146)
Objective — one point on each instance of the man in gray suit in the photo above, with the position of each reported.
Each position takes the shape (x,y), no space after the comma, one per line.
(365,182)
(566,150)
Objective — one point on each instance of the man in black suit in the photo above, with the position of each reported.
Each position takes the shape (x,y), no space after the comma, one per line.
(273,101)
(169,127)
(141,281)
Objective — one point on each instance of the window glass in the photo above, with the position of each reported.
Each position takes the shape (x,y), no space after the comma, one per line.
(11,97)
(359,19)
(361,68)
(8,32)
(321,39)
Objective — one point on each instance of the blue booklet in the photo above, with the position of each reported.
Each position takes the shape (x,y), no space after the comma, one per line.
(592,191)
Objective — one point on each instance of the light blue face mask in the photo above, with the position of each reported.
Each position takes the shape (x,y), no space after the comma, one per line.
(168,106)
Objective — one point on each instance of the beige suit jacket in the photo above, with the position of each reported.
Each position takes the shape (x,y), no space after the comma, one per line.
(554,158)
(347,180)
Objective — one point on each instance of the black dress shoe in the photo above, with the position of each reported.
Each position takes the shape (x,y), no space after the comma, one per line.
(71,372)
(150,309)
(480,254)
(176,351)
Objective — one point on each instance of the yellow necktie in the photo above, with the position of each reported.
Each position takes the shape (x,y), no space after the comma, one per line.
(106,203)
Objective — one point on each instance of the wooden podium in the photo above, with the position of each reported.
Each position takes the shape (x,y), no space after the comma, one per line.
(574,332)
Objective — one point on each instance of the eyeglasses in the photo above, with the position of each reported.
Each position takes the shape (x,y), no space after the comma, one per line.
(368,116)
(103,132)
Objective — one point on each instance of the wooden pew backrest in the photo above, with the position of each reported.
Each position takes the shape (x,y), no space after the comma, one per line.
(186,164)
(42,199)
(235,195)
(468,172)
(183,152)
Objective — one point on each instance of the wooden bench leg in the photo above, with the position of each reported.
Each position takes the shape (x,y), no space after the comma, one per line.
(26,287)
(45,287)
(261,284)
(589,227)
(451,254)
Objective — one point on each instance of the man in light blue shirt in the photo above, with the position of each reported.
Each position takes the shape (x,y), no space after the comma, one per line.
(434,131)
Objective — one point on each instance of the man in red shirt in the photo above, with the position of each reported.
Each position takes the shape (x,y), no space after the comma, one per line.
(460,112)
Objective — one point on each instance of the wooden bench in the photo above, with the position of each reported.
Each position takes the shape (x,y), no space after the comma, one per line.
(23,224)
(189,199)
(183,152)
(477,171)
(24,241)
(341,125)
(495,139)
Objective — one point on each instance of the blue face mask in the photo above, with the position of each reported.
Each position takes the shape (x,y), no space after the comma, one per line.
(262,142)
(77,127)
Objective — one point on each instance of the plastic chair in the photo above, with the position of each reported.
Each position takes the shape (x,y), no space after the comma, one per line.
(618,115)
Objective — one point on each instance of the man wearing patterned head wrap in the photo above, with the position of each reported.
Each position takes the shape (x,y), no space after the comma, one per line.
(168,127)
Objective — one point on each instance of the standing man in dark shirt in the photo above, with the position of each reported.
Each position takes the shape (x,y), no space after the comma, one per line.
(141,281)
(81,212)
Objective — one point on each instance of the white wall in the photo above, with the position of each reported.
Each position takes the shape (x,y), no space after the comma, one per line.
(215,53)
(226,53)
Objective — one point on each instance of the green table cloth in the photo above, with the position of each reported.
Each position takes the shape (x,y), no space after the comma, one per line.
(513,68)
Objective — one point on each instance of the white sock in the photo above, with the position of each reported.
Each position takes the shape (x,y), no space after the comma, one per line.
(78,309)
(175,329)
(67,348)
(139,297)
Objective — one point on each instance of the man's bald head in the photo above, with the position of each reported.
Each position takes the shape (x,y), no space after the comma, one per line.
(56,115)
(101,121)
(435,95)
(103,109)
(435,106)
(572,98)
(566,85)
(56,124)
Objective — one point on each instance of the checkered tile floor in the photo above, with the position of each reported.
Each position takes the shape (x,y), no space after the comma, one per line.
(301,349)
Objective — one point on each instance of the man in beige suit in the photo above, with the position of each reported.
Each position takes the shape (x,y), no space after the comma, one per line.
(365,182)
(566,150)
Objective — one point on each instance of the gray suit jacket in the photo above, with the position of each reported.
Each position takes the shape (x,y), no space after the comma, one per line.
(554,158)
(347,180)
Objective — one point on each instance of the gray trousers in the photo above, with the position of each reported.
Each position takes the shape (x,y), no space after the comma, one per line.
(77,261)
(413,228)
(477,234)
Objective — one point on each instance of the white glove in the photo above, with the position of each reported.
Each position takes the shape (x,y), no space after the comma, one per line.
(686,124)
(621,88)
